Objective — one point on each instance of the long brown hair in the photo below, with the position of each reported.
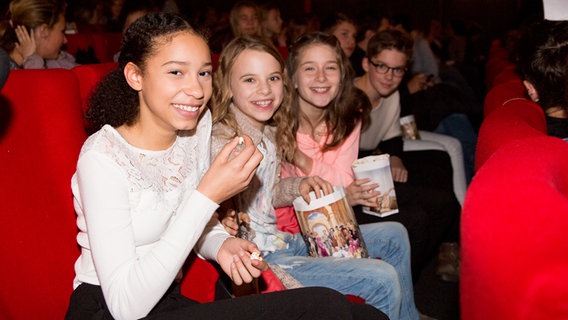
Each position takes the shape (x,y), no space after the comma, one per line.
(342,114)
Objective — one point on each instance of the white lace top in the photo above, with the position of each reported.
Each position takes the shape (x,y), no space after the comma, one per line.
(139,216)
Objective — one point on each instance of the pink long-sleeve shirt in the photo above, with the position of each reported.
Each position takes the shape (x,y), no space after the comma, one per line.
(333,165)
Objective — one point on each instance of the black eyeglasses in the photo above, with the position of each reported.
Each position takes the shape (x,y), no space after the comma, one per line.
(384,69)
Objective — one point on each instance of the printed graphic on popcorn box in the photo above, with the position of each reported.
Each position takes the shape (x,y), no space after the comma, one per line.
(329,227)
(377,168)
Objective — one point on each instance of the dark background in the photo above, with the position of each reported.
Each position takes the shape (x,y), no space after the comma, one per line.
(494,17)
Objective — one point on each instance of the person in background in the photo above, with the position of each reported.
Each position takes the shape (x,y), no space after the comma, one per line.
(297,27)
(244,21)
(4,67)
(271,23)
(367,25)
(440,100)
(388,54)
(134,9)
(33,35)
(343,28)
(543,63)
(146,193)
(131,11)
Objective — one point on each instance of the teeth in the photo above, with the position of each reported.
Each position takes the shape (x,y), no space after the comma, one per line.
(320,90)
(186,107)
(263,103)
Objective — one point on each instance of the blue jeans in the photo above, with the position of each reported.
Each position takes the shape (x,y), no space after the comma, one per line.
(385,284)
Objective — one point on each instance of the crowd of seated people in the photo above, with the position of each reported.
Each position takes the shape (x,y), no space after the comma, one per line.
(441,161)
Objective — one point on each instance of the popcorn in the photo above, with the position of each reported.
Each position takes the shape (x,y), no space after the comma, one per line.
(256,256)
(240,146)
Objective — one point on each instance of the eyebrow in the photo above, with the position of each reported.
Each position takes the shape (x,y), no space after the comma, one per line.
(206,64)
(247,75)
(329,61)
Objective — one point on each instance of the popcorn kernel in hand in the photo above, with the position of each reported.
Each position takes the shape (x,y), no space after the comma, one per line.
(256,256)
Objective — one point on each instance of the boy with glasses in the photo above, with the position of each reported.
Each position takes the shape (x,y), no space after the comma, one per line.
(428,206)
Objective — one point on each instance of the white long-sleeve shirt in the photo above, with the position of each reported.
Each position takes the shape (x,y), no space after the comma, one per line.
(139,215)
(385,123)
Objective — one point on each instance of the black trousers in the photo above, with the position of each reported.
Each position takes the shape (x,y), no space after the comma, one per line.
(427,205)
(87,302)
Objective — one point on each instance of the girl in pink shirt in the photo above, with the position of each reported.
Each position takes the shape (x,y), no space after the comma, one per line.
(326,121)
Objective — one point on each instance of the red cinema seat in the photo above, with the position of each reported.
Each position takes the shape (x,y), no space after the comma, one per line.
(503,93)
(40,138)
(516,120)
(89,75)
(513,234)
(105,45)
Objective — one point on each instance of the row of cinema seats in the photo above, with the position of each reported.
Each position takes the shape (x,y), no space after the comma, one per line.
(41,133)
(104,44)
(515,215)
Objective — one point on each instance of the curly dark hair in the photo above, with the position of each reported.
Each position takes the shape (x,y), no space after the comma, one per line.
(343,113)
(114,102)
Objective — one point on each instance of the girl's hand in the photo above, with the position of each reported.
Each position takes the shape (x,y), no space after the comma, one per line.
(399,172)
(234,256)
(230,223)
(315,184)
(360,191)
(231,172)
(26,44)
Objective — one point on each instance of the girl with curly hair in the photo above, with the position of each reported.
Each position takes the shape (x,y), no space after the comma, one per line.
(146,193)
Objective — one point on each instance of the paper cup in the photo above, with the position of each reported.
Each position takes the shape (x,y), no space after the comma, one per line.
(409,128)
(377,168)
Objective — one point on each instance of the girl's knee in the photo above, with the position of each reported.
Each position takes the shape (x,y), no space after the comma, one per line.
(397,229)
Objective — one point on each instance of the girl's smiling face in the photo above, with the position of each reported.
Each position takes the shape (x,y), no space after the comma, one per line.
(256,85)
(176,83)
(318,75)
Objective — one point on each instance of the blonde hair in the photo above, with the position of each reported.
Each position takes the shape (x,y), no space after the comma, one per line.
(31,14)
(222,98)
